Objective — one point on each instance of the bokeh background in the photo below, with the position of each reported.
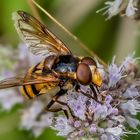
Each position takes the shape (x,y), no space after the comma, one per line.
(118,36)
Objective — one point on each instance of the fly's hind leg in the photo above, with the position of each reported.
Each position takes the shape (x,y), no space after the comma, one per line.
(55,100)
(51,103)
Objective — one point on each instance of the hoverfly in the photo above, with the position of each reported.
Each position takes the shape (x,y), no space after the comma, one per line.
(60,67)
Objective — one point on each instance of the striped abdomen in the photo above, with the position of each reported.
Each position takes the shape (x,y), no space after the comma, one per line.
(33,90)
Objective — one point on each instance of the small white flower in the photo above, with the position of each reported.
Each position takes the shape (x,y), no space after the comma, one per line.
(131,92)
(130,10)
(131,106)
(98,112)
(29,116)
(44,122)
(128,61)
(62,125)
(77,104)
(112,8)
(9,98)
(116,131)
(102,111)
(133,122)
(123,7)
(115,74)
(119,118)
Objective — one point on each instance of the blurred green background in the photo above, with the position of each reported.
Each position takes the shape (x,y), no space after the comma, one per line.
(118,36)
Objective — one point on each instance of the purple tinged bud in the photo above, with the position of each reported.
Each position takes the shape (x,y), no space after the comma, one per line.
(92,129)
(115,111)
(108,99)
(77,124)
(81,133)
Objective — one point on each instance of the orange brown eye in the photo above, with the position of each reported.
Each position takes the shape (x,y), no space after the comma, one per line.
(88,61)
(83,74)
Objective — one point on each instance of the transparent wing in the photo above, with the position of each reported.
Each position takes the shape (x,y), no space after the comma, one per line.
(19,81)
(37,37)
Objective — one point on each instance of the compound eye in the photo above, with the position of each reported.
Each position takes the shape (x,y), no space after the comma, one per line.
(83,74)
(88,61)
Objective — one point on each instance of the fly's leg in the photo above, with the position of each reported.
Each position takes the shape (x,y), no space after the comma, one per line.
(88,95)
(55,100)
(92,97)
(94,91)
(48,108)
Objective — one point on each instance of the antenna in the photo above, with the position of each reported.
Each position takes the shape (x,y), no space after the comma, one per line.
(83,46)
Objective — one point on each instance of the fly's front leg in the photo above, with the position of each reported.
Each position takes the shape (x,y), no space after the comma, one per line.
(94,91)
(77,88)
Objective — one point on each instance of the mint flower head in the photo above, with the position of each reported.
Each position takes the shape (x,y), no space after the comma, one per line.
(106,118)
(128,8)
(119,94)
